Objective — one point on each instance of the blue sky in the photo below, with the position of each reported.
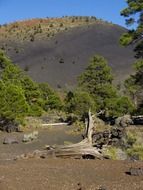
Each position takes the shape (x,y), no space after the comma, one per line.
(14,10)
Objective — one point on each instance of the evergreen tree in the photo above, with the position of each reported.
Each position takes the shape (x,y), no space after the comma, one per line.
(79,102)
(118,106)
(134,15)
(134,84)
(13,103)
(13,74)
(18,89)
(97,81)
(50,97)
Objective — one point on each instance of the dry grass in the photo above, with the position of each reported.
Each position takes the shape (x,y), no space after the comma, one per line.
(135,139)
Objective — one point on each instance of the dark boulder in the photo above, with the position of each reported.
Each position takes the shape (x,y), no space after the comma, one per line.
(137,120)
(117,133)
(8,125)
(135,171)
(109,137)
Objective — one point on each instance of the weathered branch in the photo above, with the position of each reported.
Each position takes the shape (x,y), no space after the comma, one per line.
(83,149)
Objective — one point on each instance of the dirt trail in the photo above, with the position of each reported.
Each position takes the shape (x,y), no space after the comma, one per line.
(68,174)
(54,135)
(61,174)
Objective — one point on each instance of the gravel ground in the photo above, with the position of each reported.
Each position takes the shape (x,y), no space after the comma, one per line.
(68,174)
(61,174)
(51,136)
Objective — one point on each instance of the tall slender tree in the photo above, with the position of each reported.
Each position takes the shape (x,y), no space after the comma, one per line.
(134,15)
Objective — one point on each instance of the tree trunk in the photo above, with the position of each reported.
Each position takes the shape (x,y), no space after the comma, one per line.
(81,149)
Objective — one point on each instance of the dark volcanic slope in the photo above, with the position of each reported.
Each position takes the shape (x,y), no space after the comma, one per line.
(62,58)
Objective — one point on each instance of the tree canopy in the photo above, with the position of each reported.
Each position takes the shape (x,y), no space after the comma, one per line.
(134,15)
(97,81)
(13,103)
(20,96)
(97,91)
(134,84)
(79,102)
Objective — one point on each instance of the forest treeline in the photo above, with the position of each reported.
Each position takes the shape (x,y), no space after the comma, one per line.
(20,96)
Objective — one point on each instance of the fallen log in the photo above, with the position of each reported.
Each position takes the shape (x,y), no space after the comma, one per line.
(53,124)
(81,150)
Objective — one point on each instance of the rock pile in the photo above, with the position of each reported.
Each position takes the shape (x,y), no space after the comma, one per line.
(8,125)
(109,137)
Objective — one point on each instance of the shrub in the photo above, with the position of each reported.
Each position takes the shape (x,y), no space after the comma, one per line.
(61,24)
(51,25)
(136,151)
(118,106)
(32,38)
(13,103)
(21,96)
(50,97)
(79,102)
(111,152)
(131,138)
(135,143)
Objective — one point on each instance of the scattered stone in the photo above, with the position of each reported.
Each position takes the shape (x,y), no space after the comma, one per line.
(137,120)
(10,140)
(123,121)
(30,137)
(135,171)
(88,157)
(8,125)
(101,188)
(48,147)
(79,186)
(36,154)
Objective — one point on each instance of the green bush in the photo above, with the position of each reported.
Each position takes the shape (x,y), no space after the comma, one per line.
(97,81)
(13,103)
(131,138)
(134,139)
(79,102)
(136,150)
(50,98)
(20,96)
(118,106)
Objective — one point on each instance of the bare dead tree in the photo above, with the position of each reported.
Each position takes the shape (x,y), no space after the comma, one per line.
(83,149)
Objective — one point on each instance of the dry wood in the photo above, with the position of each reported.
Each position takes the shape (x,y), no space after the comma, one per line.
(81,149)
(53,124)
